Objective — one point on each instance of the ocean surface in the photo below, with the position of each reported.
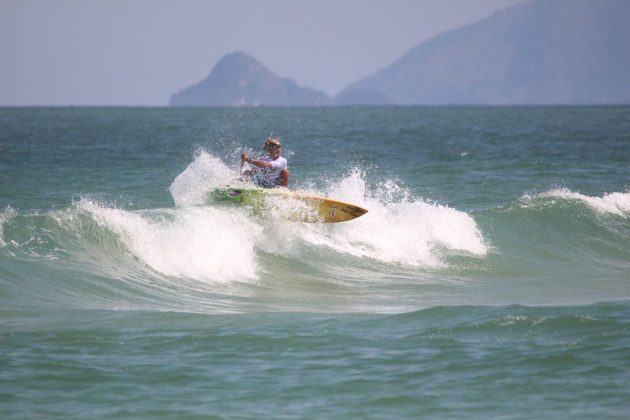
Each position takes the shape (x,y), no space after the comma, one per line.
(490,278)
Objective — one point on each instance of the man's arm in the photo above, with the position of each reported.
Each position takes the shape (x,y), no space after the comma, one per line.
(255,162)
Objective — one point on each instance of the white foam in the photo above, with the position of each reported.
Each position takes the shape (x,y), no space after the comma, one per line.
(406,231)
(614,203)
(397,229)
(200,243)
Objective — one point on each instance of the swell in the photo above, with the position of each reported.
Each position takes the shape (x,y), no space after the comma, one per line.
(406,253)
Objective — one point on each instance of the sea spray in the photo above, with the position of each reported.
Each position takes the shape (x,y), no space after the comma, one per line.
(397,229)
(204,173)
(402,229)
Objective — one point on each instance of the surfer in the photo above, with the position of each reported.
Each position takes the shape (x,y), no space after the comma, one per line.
(268,171)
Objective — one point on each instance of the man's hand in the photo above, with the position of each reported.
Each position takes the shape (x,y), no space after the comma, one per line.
(245,157)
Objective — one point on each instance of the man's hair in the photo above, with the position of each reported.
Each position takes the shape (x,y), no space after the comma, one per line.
(272,143)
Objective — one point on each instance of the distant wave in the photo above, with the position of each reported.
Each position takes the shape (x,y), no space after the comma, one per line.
(617,203)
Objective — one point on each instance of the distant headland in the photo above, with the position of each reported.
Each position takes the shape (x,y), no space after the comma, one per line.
(240,80)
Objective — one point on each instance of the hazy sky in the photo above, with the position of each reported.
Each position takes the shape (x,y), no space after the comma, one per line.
(139,52)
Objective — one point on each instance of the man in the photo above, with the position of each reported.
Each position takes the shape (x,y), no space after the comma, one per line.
(269,171)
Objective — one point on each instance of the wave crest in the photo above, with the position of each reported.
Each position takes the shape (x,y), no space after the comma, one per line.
(200,243)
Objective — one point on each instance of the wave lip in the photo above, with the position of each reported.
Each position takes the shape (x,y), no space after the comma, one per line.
(200,243)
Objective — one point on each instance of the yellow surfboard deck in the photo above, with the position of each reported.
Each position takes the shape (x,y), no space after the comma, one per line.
(292,205)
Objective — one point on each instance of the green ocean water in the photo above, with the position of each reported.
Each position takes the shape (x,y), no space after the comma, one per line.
(490,278)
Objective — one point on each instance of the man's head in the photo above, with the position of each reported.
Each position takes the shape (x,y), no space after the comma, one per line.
(273,146)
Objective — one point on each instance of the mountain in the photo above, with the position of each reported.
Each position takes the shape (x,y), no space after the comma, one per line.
(240,80)
(540,52)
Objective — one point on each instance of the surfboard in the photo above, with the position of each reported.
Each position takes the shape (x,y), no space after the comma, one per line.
(292,205)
